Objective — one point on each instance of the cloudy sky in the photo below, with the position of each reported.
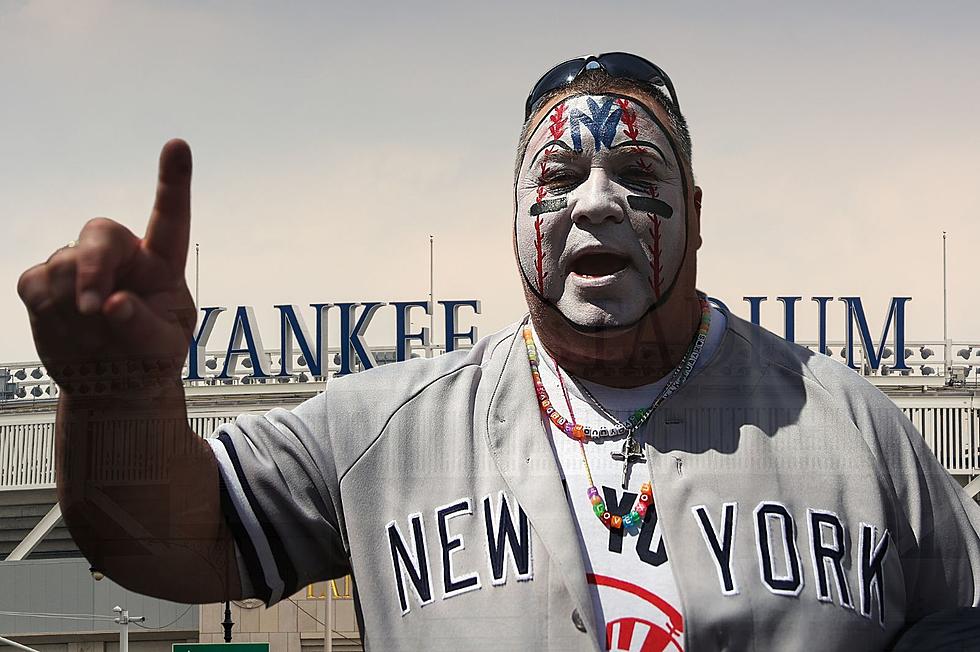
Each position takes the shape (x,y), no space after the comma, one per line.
(835,141)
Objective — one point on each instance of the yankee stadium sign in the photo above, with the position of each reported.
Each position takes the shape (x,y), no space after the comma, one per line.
(245,341)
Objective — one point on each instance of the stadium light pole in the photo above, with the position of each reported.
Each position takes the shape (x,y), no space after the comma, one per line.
(328,619)
(946,349)
(197,273)
(227,623)
(123,620)
(432,301)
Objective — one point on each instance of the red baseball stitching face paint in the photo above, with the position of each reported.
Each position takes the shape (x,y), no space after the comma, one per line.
(601,219)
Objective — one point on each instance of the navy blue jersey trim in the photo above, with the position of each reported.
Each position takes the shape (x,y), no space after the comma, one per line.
(286,570)
(245,545)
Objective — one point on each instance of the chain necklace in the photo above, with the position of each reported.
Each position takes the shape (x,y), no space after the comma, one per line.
(627,428)
(639,417)
(630,451)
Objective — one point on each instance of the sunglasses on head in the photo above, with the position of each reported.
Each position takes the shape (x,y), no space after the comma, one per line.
(616,64)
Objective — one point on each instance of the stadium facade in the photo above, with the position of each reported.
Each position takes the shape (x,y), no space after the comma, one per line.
(50,599)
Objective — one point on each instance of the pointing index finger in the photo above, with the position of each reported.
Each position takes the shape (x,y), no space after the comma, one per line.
(168,233)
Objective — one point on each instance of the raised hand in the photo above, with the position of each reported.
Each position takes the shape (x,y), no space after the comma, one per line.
(112,299)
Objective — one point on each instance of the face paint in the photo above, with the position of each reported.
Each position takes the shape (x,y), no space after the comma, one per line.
(601,219)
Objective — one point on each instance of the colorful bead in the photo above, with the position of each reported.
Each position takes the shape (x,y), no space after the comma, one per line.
(582,434)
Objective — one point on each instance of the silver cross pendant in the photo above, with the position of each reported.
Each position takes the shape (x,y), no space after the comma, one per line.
(632,452)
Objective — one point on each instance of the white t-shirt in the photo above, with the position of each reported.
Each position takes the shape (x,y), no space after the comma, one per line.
(633,590)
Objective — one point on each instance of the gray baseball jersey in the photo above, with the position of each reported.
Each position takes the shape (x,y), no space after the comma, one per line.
(796,502)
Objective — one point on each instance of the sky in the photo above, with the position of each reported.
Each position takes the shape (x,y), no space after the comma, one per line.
(834,141)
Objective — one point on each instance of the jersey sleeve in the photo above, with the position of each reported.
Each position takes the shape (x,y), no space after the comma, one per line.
(280,498)
(947,521)
(944,519)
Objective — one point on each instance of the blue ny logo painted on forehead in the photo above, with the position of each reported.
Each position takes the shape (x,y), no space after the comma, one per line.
(602,123)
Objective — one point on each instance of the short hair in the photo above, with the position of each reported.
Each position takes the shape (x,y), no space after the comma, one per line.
(597,82)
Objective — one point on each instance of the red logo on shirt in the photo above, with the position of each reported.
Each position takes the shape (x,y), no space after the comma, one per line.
(639,634)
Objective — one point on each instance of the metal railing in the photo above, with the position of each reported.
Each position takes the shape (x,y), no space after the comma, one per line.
(950,427)
(26,455)
(952,433)
(27,452)
(28,382)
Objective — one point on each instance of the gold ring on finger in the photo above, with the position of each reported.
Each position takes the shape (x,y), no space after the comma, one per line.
(71,244)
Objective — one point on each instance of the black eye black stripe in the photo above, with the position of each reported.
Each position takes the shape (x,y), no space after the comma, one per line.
(551,205)
(647,205)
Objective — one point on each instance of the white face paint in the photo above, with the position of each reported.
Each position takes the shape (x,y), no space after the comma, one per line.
(601,217)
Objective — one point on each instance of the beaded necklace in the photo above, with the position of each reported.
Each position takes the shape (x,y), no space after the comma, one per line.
(577,432)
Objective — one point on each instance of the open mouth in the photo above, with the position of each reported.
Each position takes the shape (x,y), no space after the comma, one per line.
(599,264)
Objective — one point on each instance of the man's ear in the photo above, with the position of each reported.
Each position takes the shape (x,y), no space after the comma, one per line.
(697,215)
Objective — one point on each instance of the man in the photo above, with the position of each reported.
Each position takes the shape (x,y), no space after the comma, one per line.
(630,468)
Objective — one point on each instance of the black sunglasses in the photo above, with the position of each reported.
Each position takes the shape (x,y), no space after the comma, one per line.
(616,64)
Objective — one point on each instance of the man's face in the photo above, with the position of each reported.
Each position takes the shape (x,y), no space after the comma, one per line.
(601,224)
